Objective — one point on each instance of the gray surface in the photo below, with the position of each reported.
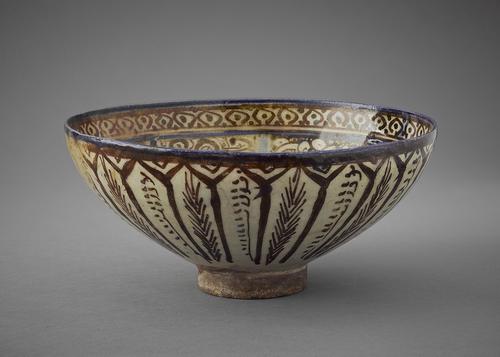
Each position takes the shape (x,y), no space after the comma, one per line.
(77,281)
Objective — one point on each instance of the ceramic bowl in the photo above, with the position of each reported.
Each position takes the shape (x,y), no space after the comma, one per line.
(251,191)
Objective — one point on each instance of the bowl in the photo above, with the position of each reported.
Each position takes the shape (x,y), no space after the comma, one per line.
(251,191)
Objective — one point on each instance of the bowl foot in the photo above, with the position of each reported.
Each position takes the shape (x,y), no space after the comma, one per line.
(251,285)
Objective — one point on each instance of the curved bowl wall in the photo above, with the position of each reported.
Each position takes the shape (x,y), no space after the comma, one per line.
(251,185)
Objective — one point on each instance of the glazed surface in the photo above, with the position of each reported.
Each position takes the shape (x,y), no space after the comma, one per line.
(259,141)
(265,127)
(273,214)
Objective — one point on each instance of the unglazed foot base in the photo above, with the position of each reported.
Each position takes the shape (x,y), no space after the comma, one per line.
(251,285)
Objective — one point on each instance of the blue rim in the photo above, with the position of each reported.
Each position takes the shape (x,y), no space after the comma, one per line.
(316,156)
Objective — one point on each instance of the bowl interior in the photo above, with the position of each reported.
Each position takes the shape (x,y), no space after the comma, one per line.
(252,127)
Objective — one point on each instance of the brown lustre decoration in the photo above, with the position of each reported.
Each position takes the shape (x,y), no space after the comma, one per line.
(259,214)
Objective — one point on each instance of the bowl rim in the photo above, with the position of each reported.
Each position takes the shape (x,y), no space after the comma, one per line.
(335,155)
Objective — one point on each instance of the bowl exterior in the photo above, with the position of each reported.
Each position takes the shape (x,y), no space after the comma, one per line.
(248,216)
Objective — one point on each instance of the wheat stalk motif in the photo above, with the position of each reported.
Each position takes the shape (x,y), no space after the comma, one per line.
(120,198)
(340,207)
(291,206)
(362,218)
(199,217)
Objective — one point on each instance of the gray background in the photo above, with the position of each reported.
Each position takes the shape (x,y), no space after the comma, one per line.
(77,281)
